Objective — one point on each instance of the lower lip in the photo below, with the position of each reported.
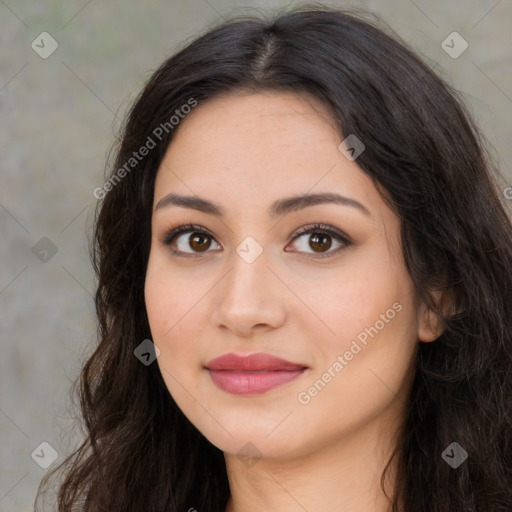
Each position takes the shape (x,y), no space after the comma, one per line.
(245,383)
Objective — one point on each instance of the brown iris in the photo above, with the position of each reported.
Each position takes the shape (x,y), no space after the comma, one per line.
(320,241)
(199,242)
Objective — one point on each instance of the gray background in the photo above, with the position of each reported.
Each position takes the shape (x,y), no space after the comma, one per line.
(58,116)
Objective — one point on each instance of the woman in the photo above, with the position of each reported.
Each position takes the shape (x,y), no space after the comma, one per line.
(305,278)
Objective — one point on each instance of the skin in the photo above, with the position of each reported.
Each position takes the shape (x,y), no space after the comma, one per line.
(243,152)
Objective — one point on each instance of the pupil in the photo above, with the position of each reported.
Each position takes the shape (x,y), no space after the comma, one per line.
(317,239)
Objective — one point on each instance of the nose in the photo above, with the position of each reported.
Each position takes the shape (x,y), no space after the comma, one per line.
(249,298)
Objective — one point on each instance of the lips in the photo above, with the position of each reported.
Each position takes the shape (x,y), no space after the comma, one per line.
(252,374)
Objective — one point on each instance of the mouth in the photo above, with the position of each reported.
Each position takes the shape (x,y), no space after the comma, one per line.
(252,374)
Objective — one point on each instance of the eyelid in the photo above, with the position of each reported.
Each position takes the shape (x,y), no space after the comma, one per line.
(169,236)
(331,231)
(322,228)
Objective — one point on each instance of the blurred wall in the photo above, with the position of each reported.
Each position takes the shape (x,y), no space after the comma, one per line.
(58,113)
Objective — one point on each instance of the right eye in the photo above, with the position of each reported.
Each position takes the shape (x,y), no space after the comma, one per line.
(197,240)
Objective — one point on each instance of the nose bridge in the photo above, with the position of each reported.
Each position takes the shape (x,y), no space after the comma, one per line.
(247,296)
(249,268)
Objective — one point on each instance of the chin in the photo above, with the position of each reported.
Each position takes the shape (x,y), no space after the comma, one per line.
(253,436)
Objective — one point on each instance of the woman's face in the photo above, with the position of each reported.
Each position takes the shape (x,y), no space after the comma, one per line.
(335,301)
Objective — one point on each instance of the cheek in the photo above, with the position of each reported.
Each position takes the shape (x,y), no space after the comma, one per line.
(369,307)
(355,295)
(172,299)
(174,309)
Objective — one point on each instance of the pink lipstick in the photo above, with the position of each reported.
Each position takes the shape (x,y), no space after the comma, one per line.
(252,374)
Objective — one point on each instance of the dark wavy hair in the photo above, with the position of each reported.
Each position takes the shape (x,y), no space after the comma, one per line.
(431,166)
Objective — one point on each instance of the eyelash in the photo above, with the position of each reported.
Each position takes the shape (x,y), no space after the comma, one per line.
(169,236)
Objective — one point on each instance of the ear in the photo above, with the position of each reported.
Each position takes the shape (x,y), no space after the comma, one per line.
(430,324)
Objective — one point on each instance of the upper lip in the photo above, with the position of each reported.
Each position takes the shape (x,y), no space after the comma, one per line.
(252,362)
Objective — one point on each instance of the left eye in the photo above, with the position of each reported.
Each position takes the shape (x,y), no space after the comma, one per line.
(320,240)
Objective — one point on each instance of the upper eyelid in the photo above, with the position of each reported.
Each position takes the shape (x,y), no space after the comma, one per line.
(331,230)
(186,228)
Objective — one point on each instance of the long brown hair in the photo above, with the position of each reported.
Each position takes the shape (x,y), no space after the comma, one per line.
(422,149)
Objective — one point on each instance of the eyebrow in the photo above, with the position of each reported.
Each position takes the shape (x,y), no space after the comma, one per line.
(278,208)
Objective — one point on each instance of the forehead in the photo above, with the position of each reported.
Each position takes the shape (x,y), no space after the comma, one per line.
(251,119)
(257,148)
